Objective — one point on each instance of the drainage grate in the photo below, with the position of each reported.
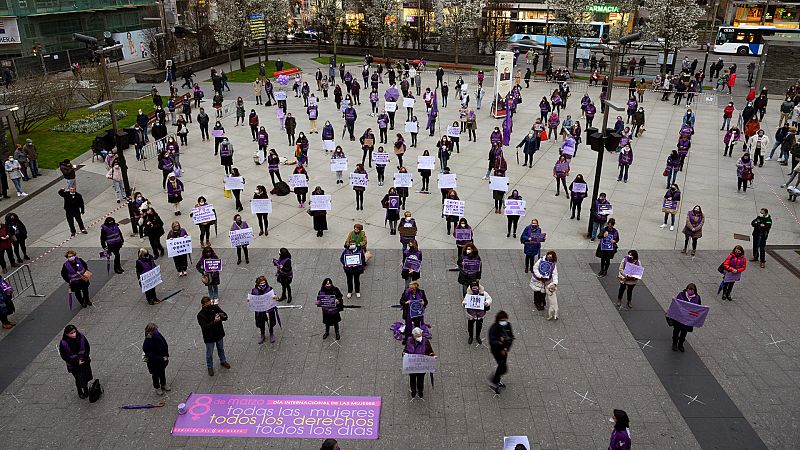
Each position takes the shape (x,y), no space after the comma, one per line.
(741,237)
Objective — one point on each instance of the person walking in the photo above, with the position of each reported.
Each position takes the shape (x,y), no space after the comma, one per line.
(627,282)
(761,226)
(744,172)
(19,234)
(210,278)
(156,356)
(111,240)
(607,247)
(76,273)
(352,259)
(74,349)
(181,261)
(270,315)
(679,330)
(501,337)
(210,319)
(329,298)
(620,434)
(731,269)
(693,228)
(417,344)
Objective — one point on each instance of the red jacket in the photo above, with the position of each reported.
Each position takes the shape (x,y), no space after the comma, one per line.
(5,238)
(728,111)
(735,263)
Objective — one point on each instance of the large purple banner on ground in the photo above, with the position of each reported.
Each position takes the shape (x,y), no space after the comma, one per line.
(279,416)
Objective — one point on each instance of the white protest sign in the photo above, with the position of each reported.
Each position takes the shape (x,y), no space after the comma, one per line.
(514,207)
(359,179)
(579,187)
(402,180)
(426,162)
(454,131)
(352,260)
(413,363)
(633,271)
(408,102)
(260,303)
(328,145)
(241,237)
(232,183)
(338,164)
(475,301)
(150,279)
(320,203)
(261,206)
(447,181)
(390,106)
(179,246)
(298,180)
(498,183)
(203,213)
(453,207)
(511,442)
(380,158)
(412,127)
(280,95)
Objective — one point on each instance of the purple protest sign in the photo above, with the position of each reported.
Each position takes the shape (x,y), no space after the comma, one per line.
(463,234)
(537,237)
(606,244)
(416,309)
(471,266)
(687,313)
(412,263)
(212,265)
(280,416)
(394,202)
(326,301)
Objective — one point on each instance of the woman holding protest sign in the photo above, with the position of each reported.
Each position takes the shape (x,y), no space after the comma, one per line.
(338,153)
(450,194)
(672,199)
(531,239)
(545,279)
(469,266)
(407,228)
(679,329)
(205,227)
(629,274)
(413,302)
(476,309)
(320,217)
(391,203)
(352,260)
(463,235)
(270,315)
(732,269)
(239,224)
(329,298)
(500,166)
(359,190)
(237,193)
(560,172)
(417,344)
(263,218)
(300,191)
(181,261)
(402,191)
(607,247)
(145,263)
(426,176)
(512,219)
(209,266)
(577,192)
(412,261)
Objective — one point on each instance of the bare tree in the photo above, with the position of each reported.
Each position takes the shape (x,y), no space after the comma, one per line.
(62,97)
(575,22)
(330,14)
(94,88)
(31,95)
(495,25)
(196,17)
(459,19)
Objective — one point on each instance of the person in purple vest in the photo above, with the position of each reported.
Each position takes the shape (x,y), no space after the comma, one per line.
(145,263)
(181,261)
(75,272)
(74,350)
(353,260)
(417,345)
(679,330)
(412,260)
(284,273)
(111,240)
(620,434)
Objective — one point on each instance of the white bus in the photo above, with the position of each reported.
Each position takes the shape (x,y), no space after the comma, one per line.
(747,40)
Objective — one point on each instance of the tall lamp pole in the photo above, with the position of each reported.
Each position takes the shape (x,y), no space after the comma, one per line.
(598,170)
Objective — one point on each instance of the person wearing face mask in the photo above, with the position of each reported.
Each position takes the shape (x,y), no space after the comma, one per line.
(412,261)
(627,283)
(205,227)
(544,280)
(407,228)
(761,226)
(529,145)
(320,217)
(210,279)
(412,294)
(111,240)
(327,135)
(469,267)
(145,263)
(338,153)
(175,192)
(19,234)
(463,234)
(76,273)
(531,239)
(153,227)
(271,315)
(226,155)
(501,337)
(620,434)
(210,319)
(575,197)
(598,216)
(330,299)
(679,330)
(693,228)
(181,261)
(5,248)
(475,316)
(670,206)
(391,202)
(74,350)
(237,193)
(512,220)
(263,218)
(74,208)
(239,224)
(744,172)
(607,247)
(416,344)
(218,139)
(352,260)
(732,269)
(156,356)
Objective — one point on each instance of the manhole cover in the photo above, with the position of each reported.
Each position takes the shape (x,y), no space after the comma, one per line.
(741,237)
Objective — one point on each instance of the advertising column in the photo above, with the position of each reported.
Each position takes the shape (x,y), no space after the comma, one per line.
(503,67)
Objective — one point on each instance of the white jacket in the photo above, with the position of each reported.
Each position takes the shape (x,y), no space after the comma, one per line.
(755,139)
(536,283)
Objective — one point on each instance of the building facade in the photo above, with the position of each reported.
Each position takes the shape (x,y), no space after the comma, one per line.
(766,13)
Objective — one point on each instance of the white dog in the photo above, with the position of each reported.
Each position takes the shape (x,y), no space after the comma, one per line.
(552,300)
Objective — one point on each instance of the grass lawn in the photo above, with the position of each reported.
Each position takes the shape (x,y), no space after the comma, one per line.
(54,147)
(339,59)
(251,72)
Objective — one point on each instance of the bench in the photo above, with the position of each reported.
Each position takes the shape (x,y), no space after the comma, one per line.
(458,67)
(291,71)
(151,116)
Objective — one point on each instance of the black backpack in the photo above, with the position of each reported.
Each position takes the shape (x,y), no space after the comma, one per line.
(95,391)
(280,189)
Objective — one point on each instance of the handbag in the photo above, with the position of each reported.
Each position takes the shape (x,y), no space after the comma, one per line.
(86,275)
(721,268)
(665,173)
(227,193)
(205,279)
(543,136)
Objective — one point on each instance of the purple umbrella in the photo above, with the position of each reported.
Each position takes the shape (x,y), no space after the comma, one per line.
(507,125)
(392,94)
(434,111)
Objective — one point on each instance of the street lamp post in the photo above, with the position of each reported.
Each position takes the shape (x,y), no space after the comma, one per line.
(705,59)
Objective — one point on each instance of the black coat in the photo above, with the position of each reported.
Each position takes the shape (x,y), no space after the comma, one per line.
(212,331)
(72,202)
(156,349)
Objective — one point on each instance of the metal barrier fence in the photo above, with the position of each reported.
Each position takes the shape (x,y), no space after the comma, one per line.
(152,149)
(21,280)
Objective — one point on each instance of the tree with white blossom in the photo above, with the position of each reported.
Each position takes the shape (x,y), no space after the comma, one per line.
(673,24)
(231,27)
(382,18)
(330,16)
(573,23)
(459,20)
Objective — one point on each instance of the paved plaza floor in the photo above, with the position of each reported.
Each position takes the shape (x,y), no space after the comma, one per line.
(565,376)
